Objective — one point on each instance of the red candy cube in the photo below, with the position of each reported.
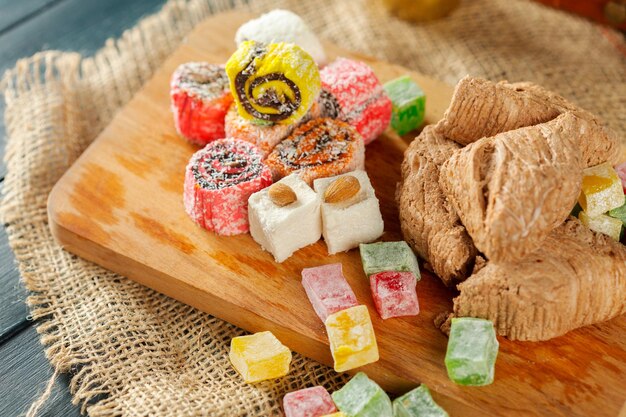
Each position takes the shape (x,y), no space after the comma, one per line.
(394,294)
(327,289)
(200,97)
(308,402)
(351,92)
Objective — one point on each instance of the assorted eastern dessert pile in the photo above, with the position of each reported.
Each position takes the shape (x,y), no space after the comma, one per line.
(516,198)
(485,198)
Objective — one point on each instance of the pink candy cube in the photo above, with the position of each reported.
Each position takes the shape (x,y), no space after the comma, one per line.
(394,294)
(308,402)
(327,289)
(621,172)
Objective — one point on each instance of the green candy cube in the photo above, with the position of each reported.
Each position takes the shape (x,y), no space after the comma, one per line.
(362,397)
(472,350)
(619,213)
(409,104)
(388,256)
(417,403)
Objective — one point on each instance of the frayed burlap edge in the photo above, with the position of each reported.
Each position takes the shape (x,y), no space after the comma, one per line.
(135,352)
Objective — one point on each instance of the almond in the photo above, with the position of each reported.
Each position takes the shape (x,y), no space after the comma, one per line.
(342,189)
(282,194)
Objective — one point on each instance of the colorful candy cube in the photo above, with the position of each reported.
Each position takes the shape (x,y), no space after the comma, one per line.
(259,356)
(621,172)
(351,92)
(362,397)
(352,339)
(327,289)
(308,402)
(409,104)
(619,213)
(601,190)
(417,403)
(285,217)
(394,294)
(472,351)
(346,222)
(602,223)
(388,256)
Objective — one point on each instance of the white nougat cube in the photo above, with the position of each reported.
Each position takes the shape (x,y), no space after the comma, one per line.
(283,230)
(357,220)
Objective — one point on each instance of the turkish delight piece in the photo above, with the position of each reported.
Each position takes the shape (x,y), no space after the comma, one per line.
(472,350)
(394,294)
(601,190)
(602,223)
(327,289)
(219,179)
(282,226)
(259,356)
(351,92)
(362,397)
(352,339)
(388,256)
(282,26)
(338,414)
(347,222)
(264,136)
(319,148)
(200,97)
(409,103)
(308,402)
(274,82)
(417,403)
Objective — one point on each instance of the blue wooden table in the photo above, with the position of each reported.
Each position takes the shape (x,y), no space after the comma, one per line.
(26,27)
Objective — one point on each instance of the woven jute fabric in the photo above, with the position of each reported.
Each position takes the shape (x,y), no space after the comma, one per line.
(134,352)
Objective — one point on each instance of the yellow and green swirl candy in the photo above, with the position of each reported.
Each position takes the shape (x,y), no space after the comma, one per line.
(273,83)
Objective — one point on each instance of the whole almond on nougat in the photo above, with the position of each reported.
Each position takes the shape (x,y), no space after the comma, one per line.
(281,194)
(342,189)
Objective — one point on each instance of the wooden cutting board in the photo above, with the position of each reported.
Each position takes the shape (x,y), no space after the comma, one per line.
(120,206)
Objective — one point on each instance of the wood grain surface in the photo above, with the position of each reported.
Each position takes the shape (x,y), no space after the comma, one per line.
(120,205)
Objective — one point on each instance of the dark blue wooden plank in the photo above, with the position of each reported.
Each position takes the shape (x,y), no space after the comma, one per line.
(15,12)
(24,373)
(71,25)
(13,310)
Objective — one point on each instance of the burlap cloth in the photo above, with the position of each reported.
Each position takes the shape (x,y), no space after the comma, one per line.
(132,351)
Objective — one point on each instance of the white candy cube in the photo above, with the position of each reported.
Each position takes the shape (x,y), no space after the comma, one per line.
(283,230)
(357,220)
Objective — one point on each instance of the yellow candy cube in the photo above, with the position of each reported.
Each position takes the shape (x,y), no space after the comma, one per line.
(601,190)
(259,356)
(352,339)
(602,224)
(337,414)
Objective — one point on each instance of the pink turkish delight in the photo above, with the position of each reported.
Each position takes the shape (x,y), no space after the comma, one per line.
(351,92)
(394,294)
(327,289)
(218,182)
(308,402)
